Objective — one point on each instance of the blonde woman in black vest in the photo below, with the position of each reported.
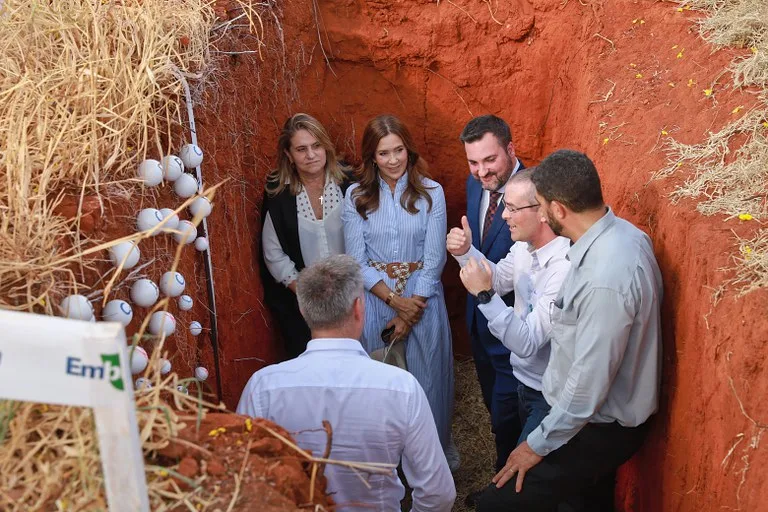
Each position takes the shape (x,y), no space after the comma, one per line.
(303,202)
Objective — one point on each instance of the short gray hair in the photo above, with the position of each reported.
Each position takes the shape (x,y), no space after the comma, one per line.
(525,176)
(327,290)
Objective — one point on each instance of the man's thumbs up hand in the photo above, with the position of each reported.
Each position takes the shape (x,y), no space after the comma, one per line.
(459,240)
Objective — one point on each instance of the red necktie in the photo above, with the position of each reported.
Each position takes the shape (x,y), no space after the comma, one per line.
(493,205)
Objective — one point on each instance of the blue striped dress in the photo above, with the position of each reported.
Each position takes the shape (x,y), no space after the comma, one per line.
(391,234)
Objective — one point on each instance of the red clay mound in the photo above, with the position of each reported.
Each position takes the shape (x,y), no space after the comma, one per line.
(272,475)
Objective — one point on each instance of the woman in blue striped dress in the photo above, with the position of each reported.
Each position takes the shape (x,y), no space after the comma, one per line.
(395,226)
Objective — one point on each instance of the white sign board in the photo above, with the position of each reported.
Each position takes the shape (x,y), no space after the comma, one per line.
(70,362)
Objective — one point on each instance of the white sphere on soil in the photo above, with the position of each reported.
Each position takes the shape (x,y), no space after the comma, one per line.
(173,167)
(77,307)
(185,303)
(149,218)
(201,244)
(185,186)
(201,373)
(162,322)
(139,359)
(195,328)
(142,383)
(191,155)
(144,293)
(118,311)
(182,389)
(200,206)
(173,219)
(185,228)
(125,250)
(151,172)
(172,284)
(165,367)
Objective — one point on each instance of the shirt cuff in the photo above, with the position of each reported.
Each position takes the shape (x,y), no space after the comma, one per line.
(493,308)
(371,276)
(424,288)
(539,444)
(472,252)
(293,276)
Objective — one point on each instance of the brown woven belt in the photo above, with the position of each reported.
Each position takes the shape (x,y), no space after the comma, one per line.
(398,271)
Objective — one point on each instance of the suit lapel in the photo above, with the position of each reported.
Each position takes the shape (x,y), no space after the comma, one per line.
(474,193)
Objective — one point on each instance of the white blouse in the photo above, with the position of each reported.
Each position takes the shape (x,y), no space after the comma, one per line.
(317,238)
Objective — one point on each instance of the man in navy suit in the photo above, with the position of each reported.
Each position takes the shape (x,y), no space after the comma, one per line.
(491,156)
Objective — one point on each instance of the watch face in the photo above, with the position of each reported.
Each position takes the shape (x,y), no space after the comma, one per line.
(484,297)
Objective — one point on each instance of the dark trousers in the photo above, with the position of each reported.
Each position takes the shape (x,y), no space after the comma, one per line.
(533,408)
(582,468)
(499,389)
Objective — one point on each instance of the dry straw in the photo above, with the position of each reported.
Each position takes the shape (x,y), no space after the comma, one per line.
(86,92)
(728,172)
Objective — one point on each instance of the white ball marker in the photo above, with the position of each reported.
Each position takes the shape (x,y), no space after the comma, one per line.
(185,228)
(200,206)
(195,328)
(185,186)
(162,323)
(185,303)
(142,384)
(173,219)
(173,167)
(119,252)
(165,367)
(144,293)
(151,172)
(148,218)
(172,284)
(77,307)
(139,360)
(201,373)
(182,389)
(118,311)
(201,244)
(191,155)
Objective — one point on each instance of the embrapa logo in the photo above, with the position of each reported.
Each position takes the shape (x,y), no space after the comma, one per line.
(110,368)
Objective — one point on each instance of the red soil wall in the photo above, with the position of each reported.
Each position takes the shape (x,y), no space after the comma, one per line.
(547,69)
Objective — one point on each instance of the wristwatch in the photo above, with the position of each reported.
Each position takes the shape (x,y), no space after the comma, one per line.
(485,296)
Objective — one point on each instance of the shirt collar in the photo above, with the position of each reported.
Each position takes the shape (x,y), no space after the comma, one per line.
(579,249)
(557,245)
(328,344)
(402,181)
(514,171)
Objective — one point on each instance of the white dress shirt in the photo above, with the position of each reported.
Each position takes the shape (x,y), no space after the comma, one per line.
(318,238)
(536,276)
(378,413)
(485,200)
(606,336)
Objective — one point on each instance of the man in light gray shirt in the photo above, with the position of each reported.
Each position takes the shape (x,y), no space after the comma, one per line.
(602,382)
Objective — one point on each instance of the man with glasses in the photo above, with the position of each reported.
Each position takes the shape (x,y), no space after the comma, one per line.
(534,269)
(491,157)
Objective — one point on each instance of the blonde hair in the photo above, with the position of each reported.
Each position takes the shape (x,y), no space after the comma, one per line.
(285,174)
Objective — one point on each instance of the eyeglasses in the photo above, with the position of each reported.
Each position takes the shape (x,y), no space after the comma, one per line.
(511,209)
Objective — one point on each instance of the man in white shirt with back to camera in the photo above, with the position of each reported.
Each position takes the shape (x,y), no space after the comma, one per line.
(378,412)
(535,272)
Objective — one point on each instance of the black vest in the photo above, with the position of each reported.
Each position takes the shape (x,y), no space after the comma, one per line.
(285,218)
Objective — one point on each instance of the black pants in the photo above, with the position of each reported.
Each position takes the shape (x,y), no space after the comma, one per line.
(580,472)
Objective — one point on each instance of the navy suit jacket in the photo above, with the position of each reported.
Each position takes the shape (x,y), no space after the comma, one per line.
(495,247)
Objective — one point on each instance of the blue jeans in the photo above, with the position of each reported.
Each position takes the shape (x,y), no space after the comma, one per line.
(533,408)
(499,389)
